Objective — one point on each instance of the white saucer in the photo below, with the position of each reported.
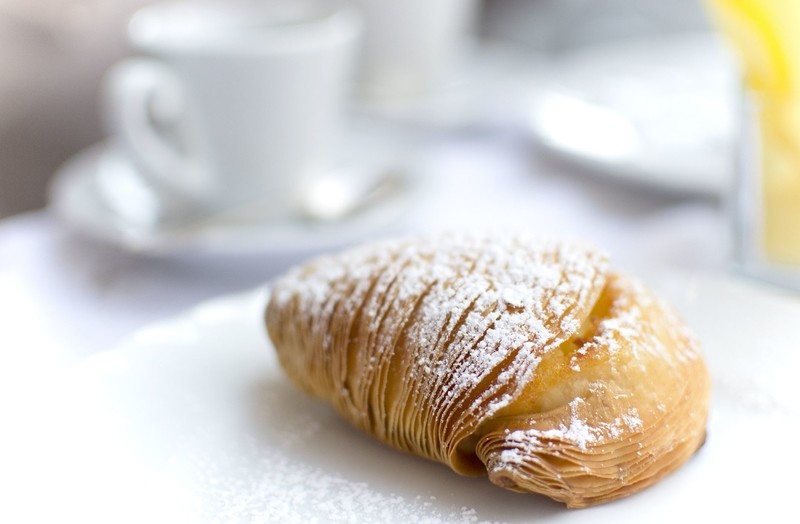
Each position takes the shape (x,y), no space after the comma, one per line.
(658,112)
(78,199)
(192,420)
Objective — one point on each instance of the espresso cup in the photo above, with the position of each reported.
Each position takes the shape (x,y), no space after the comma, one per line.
(226,104)
(412,47)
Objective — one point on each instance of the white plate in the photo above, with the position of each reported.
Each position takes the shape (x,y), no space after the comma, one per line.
(76,195)
(658,112)
(192,421)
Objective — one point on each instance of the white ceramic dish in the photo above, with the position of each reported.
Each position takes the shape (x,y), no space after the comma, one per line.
(192,420)
(80,196)
(658,113)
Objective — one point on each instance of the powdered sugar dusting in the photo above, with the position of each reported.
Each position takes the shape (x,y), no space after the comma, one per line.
(485,309)
(577,432)
(258,486)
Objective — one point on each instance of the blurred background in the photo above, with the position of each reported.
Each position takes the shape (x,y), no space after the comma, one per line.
(53,54)
(603,120)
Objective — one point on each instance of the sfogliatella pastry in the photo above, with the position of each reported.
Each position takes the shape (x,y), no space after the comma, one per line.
(522,359)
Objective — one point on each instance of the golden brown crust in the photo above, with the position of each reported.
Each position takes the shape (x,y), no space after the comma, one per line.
(522,359)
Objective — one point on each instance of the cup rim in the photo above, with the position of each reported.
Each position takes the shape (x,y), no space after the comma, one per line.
(147,31)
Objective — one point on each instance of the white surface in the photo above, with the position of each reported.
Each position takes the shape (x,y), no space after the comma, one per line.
(191,420)
(655,112)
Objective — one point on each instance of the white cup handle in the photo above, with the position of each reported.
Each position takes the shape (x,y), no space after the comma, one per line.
(143,98)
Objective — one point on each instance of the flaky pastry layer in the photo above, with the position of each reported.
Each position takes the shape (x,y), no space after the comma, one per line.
(522,359)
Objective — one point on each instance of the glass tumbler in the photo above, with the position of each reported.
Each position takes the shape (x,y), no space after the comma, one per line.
(766,197)
(763,36)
